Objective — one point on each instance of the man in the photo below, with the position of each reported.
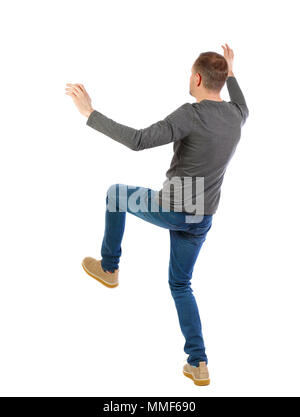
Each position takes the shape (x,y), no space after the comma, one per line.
(204,135)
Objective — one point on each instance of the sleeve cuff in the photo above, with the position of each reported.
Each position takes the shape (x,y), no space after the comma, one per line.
(91,117)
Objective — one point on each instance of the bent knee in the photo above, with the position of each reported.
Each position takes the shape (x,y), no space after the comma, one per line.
(112,191)
(115,194)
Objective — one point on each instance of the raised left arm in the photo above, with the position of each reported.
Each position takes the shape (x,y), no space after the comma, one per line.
(175,126)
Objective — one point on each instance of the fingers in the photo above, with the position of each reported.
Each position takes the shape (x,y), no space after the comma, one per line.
(228,52)
(76,88)
(225,50)
(78,85)
(70,93)
(82,87)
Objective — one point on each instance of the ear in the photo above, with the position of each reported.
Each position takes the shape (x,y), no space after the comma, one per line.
(199,79)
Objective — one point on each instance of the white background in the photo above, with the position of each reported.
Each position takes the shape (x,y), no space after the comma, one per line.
(62,333)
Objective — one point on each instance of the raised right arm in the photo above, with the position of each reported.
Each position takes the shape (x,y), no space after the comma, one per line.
(236,96)
(235,93)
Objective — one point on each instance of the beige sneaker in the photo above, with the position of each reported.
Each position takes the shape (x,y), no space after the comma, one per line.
(199,375)
(94,268)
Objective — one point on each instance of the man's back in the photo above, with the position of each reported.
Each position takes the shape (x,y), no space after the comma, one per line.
(214,131)
(205,135)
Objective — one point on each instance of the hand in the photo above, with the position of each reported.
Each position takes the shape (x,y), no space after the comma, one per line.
(81,98)
(229,56)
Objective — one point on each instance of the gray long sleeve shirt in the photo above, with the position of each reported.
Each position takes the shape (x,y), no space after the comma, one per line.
(204,135)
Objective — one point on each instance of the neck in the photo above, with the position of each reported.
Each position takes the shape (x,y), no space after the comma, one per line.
(214,97)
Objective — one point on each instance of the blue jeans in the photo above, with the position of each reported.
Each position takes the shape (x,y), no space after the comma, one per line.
(186,239)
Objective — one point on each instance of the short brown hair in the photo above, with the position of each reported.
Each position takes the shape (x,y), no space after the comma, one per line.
(213,69)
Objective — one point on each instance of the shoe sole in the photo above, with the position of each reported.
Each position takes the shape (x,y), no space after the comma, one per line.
(99,279)
(200,382)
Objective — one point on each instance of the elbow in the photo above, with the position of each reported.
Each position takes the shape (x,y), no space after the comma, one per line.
(137,143)
(138,148)
(135,147)
(246,114)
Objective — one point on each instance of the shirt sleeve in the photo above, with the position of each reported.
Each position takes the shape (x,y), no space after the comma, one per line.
(173,127)
(237,97)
